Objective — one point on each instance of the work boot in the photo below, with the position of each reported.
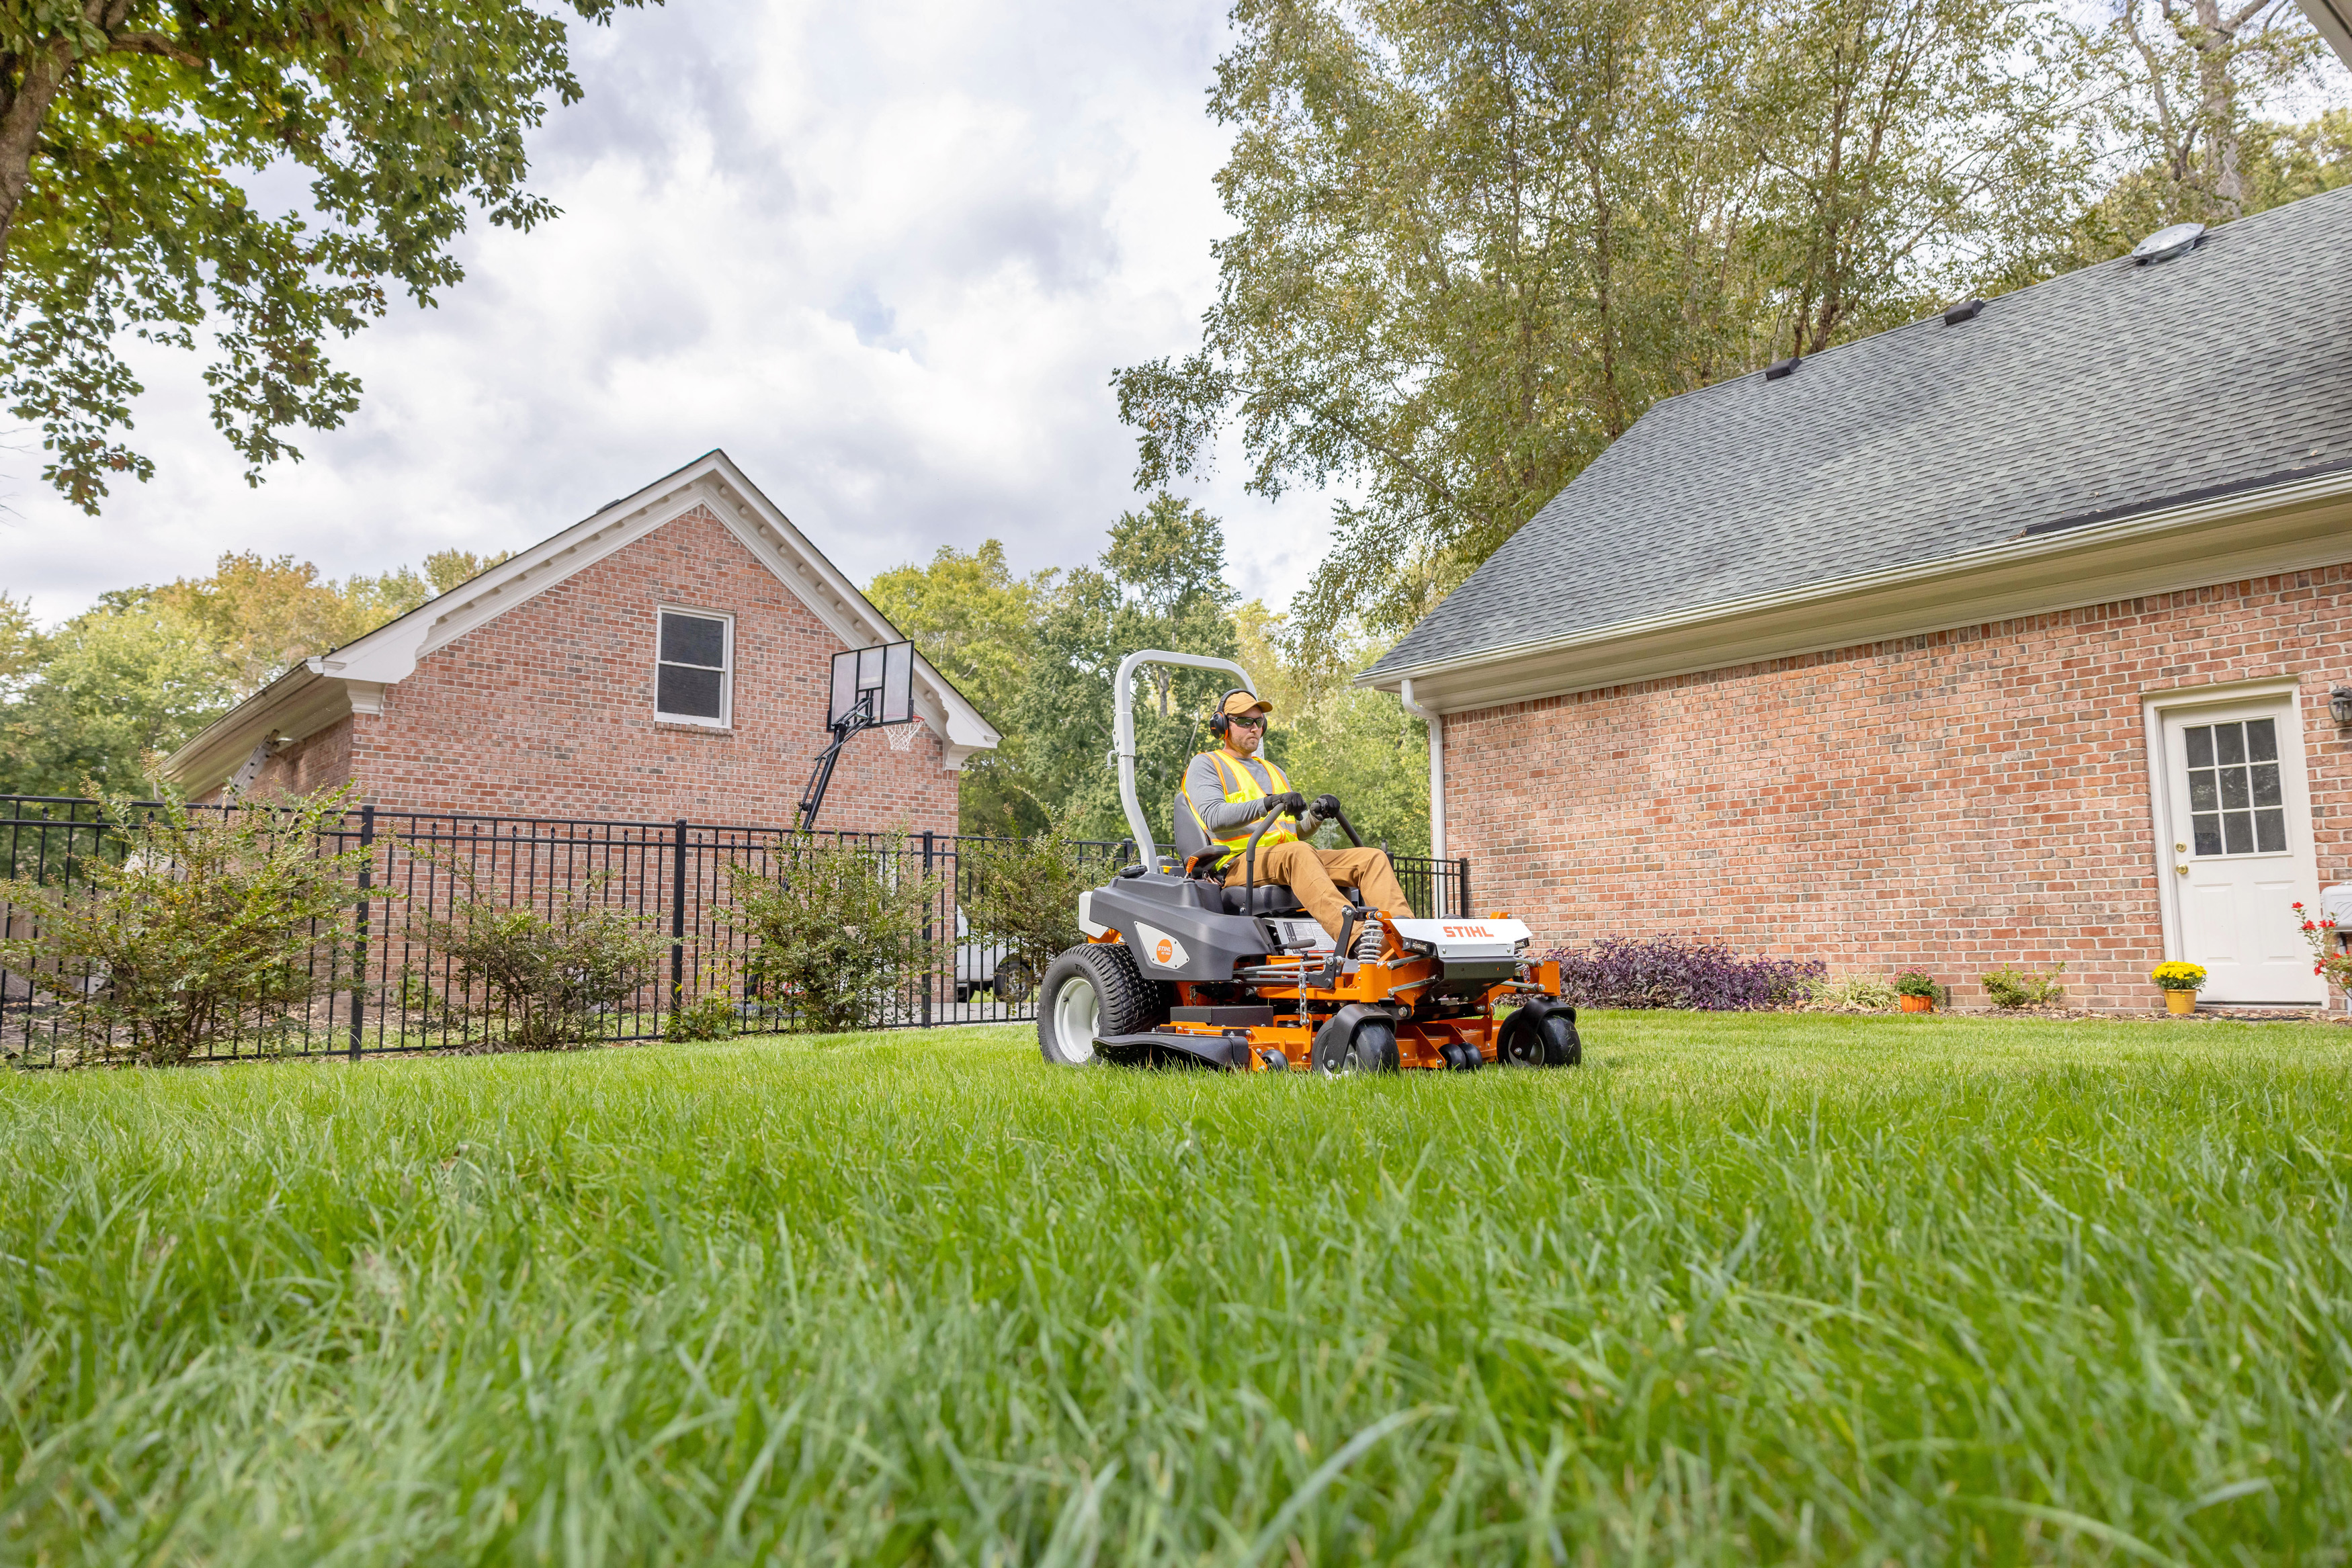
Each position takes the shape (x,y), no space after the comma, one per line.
(1369,941)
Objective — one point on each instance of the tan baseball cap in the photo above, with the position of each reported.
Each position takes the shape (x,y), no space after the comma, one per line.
(1240,703)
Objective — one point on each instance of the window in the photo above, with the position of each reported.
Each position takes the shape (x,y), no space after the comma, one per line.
(690,675)
(2234,804)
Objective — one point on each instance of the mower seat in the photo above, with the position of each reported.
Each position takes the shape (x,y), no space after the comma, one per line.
(1193,847)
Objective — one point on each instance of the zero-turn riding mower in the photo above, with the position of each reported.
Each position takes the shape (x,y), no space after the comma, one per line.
(1180,964)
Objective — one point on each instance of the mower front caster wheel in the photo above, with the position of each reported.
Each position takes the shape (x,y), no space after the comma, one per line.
(1538,1036)
(1371,1047)
(1091,991)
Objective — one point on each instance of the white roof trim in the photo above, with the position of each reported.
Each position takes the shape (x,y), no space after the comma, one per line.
(2334,20)
(389,654)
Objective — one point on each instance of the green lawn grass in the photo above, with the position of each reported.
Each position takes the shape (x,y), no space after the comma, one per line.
(1774,1288)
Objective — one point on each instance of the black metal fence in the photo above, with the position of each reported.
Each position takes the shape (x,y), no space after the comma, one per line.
(674,879)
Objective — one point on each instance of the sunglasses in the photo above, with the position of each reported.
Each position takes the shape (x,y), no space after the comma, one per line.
(1251,721)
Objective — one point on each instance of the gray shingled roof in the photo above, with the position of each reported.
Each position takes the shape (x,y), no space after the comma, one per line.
(2109,391)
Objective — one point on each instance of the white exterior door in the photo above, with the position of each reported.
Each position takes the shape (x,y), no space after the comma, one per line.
(2237,848)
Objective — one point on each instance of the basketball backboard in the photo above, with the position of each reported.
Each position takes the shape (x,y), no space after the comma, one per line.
(880,679)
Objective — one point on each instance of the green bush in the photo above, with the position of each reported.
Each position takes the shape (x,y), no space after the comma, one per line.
(521,981)
(211,927)
(1024,893)
(2025,988)
(837,933)
(713,1016)
(1850,994)
(1912,983)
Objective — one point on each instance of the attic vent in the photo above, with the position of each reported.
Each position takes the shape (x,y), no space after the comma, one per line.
(2167,242)
(1778,368)
(1965,310)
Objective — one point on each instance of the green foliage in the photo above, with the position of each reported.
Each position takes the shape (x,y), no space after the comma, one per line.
(1473,245)
(1913,983)
(136,143)
(1024,893)
(198,928)
(518,979)
(837,931)
(977,623)
(2177,975)
(2010,988)
(1749,1288)
(1850,994)
(1159,584)
(711,1016)
(118,688)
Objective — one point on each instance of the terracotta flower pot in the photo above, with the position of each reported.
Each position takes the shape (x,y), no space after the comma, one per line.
(1918,1004)
(2180,1004)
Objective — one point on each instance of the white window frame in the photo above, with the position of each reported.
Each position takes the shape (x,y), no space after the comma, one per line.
(726,719)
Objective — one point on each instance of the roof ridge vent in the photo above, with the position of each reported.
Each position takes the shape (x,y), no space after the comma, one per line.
(1778,368)
(2173,239)
(1965,310)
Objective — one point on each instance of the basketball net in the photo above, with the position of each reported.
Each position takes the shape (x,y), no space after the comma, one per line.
(902,735)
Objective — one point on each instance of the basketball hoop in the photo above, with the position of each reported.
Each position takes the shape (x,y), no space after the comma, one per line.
(901,736)
(872,688)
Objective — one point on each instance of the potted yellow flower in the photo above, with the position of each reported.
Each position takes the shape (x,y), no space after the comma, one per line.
(2179,982)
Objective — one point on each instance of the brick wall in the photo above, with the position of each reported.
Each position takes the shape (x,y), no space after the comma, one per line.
(548,709)
(1959,801)
(317,761)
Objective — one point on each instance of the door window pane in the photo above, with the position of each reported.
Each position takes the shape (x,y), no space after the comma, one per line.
(2236,804)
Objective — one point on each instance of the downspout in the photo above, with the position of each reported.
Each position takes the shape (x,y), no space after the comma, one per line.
(1436,766)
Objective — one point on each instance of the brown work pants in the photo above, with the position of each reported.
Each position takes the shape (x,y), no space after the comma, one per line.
(1315,876)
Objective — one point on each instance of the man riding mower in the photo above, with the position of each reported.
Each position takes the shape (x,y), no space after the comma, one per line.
(1249,949)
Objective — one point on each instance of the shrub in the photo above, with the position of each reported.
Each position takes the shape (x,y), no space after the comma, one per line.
(711,1016)
(2025,988)
(1023,892)
(521,981)
(838,935)
(212,926)
(1912,983)
(1668,972)
(2330,962)
(1851,994)
(2179,976)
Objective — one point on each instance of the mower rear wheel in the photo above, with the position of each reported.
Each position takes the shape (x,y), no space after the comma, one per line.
(1372,1048)
(1090,990)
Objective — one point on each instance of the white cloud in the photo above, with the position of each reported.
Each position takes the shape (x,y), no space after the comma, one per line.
(886,256)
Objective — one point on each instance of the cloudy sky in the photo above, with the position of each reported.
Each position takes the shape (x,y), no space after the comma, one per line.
(885,255)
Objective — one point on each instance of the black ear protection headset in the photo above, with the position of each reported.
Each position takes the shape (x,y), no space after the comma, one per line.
(1218,721)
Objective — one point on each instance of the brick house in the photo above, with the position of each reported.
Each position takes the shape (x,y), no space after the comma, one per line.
(2008,637)
(666,657)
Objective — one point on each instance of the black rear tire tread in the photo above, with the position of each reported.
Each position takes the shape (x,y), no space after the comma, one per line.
(1124,1002)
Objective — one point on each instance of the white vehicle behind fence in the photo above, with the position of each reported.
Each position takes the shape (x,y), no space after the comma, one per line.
(984,968)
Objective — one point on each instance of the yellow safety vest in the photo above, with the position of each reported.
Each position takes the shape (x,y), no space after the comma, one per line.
(1241,785)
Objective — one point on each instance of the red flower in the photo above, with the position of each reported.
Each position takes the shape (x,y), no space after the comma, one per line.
(2307,926)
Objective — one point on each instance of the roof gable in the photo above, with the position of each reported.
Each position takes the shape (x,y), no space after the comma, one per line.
(2106,392)
(297,703)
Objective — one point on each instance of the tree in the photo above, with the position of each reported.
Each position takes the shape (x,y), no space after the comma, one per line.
(1477,240)
(2199,73)
(977,623)
(133,136)
(1159,584)
(123,685)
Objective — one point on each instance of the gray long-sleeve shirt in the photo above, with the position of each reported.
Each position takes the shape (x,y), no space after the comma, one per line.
(1205,787)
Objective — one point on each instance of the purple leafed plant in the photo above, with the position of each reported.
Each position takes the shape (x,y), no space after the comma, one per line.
(1672,972)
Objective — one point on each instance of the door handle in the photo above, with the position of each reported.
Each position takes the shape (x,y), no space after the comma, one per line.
(2181,868)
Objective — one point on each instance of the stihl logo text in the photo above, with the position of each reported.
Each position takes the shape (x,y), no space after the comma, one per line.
(1467,931)
(1165,952)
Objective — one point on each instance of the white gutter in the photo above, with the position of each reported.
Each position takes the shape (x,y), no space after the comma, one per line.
(1436,768)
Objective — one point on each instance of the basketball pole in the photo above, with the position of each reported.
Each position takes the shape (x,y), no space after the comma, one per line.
(861,717)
